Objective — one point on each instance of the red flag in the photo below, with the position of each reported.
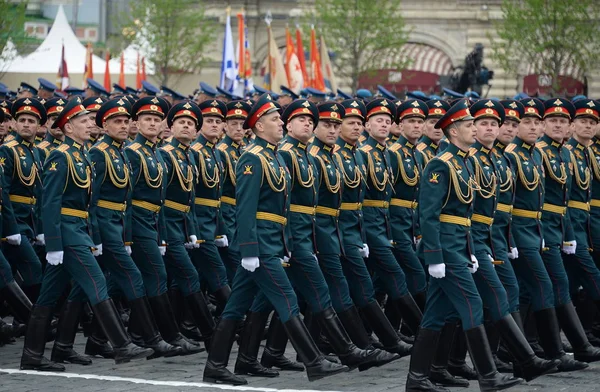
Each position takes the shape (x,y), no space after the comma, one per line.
(143,68)
(122,72)
(62,81)
(241,49)
(292,65)
(107,83)
(88,72)
(316,74)
(138,74)
(302,58)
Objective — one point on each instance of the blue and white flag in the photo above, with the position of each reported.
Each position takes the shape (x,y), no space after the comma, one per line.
(228,67)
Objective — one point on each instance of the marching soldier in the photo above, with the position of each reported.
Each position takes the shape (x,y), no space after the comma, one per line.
(207,258)
(445,198)
(432,141)
(262,203)
(68,178)
(54,136)
(147,230)
(6,124)
(92,105)
(594,229)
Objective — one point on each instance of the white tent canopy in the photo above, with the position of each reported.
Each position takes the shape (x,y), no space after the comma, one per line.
(47,57)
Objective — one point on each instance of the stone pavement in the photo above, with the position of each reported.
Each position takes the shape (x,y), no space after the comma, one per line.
(185,374)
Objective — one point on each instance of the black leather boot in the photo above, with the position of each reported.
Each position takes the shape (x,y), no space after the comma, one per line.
(418,373)
(202,316)
(65,337)
(247,359)
(167,325)
(457,366)
(530,330)
(17,301)
(352,323)
(111,323)
(221,298)
(274,353)
(317,367)
(349,354)
(391,313)
(142,316)
(421,298)
(569,321)
(388,337)
(32,292)
(410,312)
(527,365)
(493,336)
(438,373)
(97,344)
(35,342)
(6,333)
(216,370)
(481,355)
(549,337)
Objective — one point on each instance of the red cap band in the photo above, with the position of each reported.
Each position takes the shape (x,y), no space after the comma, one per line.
(262,110)
(331,116)
(75,111)
(455,117)
(379,110)
(212,112)
(586,112)
(487,112)
(354,112)
(557,111)
(412,112)
(186,113)
(119,111)
(237,113)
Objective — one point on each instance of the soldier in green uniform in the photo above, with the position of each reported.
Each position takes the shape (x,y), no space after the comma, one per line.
(146,233)
(352,229)
(92,105)
(54,136)
(262,189)
(68,179)
(526,161)
(594,229)
(20,160)
(379,189)
(207,203)
(432,143)
(447,191)
(6,124)
(180,221)
(557,230)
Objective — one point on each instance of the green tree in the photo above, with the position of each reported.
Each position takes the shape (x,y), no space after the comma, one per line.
(175,34)
(550,36)
(365,35)
(12,28)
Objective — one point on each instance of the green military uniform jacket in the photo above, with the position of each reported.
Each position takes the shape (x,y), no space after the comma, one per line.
(595,197)
(229,152)
(179,200)
(429,149)
(21,162)
(111,194)
(446,199)
(501,229)
(47,145)
(262,195)
(379,180)
(330,187)
(581,192)
(208,188)
(558,170)
(68,177)
(148,183)
(407,164)
(351,165)
(526,161)
(303,195)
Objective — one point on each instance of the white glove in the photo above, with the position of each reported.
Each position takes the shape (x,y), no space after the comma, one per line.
(475,264)
(437,271)
(513,254)
(569,247)
(163,249)
(55,257)
(543,244)
(250,263)
(14,239)
(222,242)
(315,257)
(417,240)
(286,259)
(491,260)
(193,243)
(128,249)
(98,250)
(364,252)
(40,239)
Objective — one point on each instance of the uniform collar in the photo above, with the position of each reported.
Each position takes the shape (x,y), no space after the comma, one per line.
(523,144)
(94,139)
(481,148)
(430,143)
(204,141)
(112,142)
(499,145)
(263,143)
(72,143)
(394,138)
(374,143)
(404,141)
(295,142)
(322,146)
(551,142)
(38,139)
(141,139)
(176,143)
(345,145)
(596,140)
(576,144)
(453,148)
(22,141)
(229,141)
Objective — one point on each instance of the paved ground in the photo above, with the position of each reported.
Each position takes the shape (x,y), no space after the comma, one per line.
(185,374)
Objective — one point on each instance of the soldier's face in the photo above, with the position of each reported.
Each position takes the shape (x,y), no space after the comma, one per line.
(508,131)
(96,130)
(4,127)
(284,100)
(351,129)
(270,127)
(379,126)
(487,131)
(301,128)
(184,129)
(412,128)
(235,129)
(463,133)
(79,128)
(396,129)
(55,132)
(27,126)
(584,128)
(528,129)
(149,126)
(117,127)
(328,132)
(434,134)
(165,131)
(212,128)
(556,127)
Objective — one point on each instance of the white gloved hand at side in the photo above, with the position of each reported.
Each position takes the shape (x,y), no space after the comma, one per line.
(98,250)
(40,239)
(437,271)
(364,251)
(475,264)
(222,242)
(14,239)
(569,247)
(193,243)
(128,249)
(513,254)
(250,263)
(55,257)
